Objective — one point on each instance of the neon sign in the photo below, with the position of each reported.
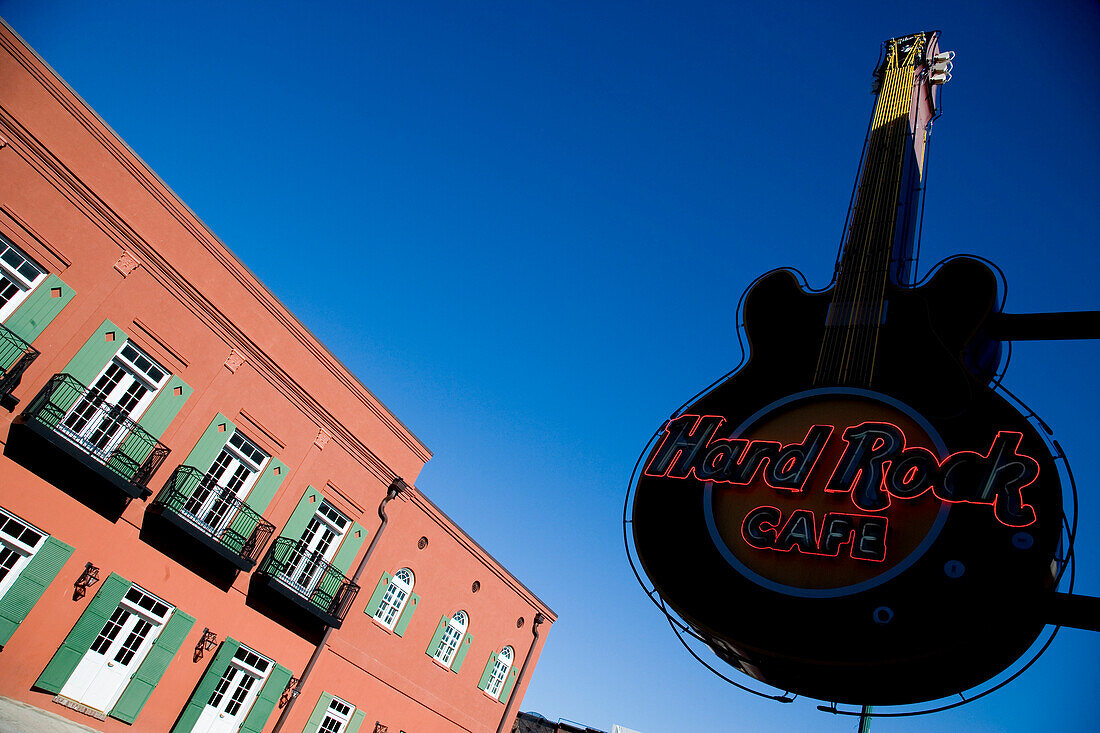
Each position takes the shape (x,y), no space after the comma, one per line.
(875,466)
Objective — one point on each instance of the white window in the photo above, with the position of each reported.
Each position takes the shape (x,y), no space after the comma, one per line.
(18,543)
(19,275)
(306,563)
(122,391)
(118,650)
(452,637)
(397,595)
(336,717)
(501,667)
(230,477)
(234,694)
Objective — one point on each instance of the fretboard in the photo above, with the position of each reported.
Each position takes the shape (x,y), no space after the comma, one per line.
(878,246)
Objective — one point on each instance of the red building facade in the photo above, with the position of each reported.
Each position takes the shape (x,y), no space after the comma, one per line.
(206,522)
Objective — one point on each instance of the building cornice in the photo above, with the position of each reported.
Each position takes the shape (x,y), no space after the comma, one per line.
(115,226)
(448,525)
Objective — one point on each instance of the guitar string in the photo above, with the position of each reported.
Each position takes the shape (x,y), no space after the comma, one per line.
(900,132)
(874,221)
(852,304)
(849,295)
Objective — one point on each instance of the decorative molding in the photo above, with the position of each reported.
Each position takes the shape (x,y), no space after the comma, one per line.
(258,426)
(322,438)
(116,227)
(32,242)
(470,545)
(180,362)
(234,361)
(126,263)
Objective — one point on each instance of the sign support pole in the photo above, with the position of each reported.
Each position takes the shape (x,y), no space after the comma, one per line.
(865,719)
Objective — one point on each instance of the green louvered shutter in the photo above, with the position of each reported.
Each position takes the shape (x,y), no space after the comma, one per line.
(95,353)
(39,309)
(267,699)
(349,548)
(153,666)
(318,713)
(460,654)
(30,585)
(509,684)
(166,405)
(80,639)
(406,614)
(433,647)
(356,721)
(379,592)
(488,672)
(299,518)
(266,485)
(210,443)
(205,688)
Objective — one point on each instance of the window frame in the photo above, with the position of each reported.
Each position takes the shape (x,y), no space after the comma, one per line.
(505,669)
(23,552)
(386,603)
(452,625)
(342,720)
(19,280)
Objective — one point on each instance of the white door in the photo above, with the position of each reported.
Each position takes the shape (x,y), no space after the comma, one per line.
(122,392)
(119,649)
(230,477)
(318,546)
(234,694)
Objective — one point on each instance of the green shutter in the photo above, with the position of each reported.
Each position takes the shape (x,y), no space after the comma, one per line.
(153,666)
(299,518)
(205,688)
(509,683)
(267,699)
(460,654)
(318,714)
(210,443)
(41,306)
(349,548)
(356,721)
(438,637)
(266,485)
(95,353)
(488,672)
(166,405)
(30,585)
(84,632)
(376,597)
(406,614)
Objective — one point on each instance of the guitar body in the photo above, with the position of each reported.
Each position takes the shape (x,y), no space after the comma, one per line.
(860,596)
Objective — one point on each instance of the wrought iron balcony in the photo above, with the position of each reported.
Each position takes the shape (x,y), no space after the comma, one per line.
(214,516)
(307,579)
(98,435)
(15,356)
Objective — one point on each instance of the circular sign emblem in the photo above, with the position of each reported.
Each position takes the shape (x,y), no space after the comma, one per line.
(792,527)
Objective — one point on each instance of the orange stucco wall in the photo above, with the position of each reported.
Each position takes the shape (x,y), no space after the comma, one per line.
(74,198)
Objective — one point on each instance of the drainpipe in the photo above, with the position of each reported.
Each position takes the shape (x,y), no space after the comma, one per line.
(396,487)
(539,618)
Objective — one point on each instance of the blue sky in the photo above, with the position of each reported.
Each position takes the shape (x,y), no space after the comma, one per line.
(526,226)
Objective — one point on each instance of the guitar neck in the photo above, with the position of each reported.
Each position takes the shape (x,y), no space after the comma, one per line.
(878,245)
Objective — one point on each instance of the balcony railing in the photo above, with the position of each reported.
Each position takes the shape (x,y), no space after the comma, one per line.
(15,356)
(213,515)
(98,434)
(309,580)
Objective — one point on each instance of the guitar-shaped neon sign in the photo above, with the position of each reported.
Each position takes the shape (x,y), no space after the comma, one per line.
(857,514)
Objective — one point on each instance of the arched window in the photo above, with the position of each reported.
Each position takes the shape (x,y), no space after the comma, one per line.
(452,638)
(499,673)
(397,595)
